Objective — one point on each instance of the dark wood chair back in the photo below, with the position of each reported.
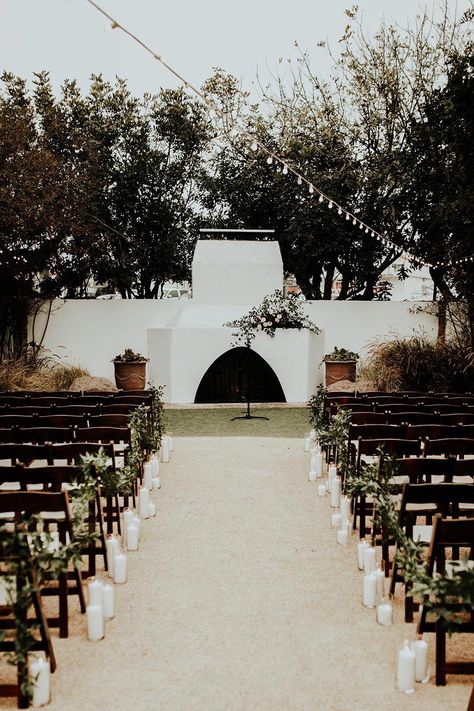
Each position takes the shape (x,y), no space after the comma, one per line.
(40,435)
(412,418)
(455,446)
(110,420)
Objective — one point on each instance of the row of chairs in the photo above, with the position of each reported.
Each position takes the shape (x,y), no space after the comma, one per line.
(414,417)
(10,402)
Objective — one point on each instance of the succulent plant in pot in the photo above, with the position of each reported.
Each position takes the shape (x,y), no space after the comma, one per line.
(130,370)
(340,365)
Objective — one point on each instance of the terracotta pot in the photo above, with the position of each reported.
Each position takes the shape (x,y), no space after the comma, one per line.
(130,375)
(340,370)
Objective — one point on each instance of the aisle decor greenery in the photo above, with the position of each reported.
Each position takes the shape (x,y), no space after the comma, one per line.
(276,311)
(316,409)
(31,554)
(438,591)
(333,434)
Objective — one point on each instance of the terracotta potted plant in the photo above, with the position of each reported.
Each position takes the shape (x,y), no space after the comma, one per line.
(130,370)
(340,365)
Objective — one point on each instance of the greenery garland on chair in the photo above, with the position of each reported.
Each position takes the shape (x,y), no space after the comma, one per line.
(438,591)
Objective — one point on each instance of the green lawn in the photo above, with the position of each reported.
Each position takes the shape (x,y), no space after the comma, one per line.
(282,422)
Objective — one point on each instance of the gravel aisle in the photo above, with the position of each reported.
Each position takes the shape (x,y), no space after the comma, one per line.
(240,599)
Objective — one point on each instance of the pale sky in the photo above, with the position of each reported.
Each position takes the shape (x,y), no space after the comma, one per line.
(68,37)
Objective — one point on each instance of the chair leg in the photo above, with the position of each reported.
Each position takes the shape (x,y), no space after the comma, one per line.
(362,516)
(63,605)
(440,653)
(408,603)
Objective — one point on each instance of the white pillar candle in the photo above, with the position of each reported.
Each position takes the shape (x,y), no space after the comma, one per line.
(147,475)
(156,482)
(112,548)
(313,435)
(120,569)
(336,520)
(421,660)
(384,613)
(39,673)
(318,464)
(343,536)
(128,516)
(312,475)
(137,522)
(361,546)
(95,593)
(369,595)
(164,450)
(335,492)
(170,442)
(380,575)
(321,489)
(143,502)
(152,509)
(132,538)
(95,622)
(155,465)
(108,601)
(345,506)
(406,669)
(307,444)
(369,560)
(332,471)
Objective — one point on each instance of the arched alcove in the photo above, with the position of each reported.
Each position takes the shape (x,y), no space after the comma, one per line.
(226,379)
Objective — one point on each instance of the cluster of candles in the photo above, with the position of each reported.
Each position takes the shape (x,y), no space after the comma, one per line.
(412,663)
(100,591)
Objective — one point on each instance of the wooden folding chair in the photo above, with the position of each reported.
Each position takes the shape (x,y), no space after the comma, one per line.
(433,431)
(24,453)
(447,534)
(37,623)
(444,499)
(449,446)
(40,435)
(110,420)
(27,503)
(412,418)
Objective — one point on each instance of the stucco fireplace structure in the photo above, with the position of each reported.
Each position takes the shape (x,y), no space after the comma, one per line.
(229,277)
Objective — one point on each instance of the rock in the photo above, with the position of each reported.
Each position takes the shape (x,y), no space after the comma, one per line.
(91,384)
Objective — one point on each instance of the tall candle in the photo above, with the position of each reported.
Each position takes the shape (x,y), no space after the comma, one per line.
(312,475)
(128,516)
(155,465)
(336,520)
(95,593)
(147,475)
(108,601)
(143,502)
(345,506)
(95,622)
(307,444)
(164,451)
(380,583)
(406,669)
(322,490)
(39,673)
(369,560)
(369,595)
(137,522)
(120,569)
(111,548)
(170,442)
(132,538)
(360,553)
(421,660)
(156,482)
(318,464)
(152,509)
(335,492)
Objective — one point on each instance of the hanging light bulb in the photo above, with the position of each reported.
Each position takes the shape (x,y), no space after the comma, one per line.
(311,189)
(354,221)
(300,180)
(321,199)
(372,234)
(330,204)
(270,160)
(285,170)
(361,226)
(348,217)
(366,230)
(339,210)
(254,146)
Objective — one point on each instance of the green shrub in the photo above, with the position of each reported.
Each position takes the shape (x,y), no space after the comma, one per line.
(41,374)
(417,363)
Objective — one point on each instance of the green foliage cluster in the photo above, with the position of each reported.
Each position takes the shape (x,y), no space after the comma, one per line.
(417,363)
(341,354)
(275,311)
(129,356)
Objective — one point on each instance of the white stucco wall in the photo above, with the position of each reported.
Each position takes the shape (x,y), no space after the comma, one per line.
(92,332)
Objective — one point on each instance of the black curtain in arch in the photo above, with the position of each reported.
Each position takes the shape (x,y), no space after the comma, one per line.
(226,379)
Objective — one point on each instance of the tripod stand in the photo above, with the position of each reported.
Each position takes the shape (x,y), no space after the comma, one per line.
(247,415)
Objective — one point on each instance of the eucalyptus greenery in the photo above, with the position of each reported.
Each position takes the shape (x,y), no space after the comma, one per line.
(275,311)
(316,409)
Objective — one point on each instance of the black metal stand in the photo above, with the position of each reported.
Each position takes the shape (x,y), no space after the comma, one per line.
(247,415)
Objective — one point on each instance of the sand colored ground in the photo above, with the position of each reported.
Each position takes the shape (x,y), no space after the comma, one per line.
(239,599)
